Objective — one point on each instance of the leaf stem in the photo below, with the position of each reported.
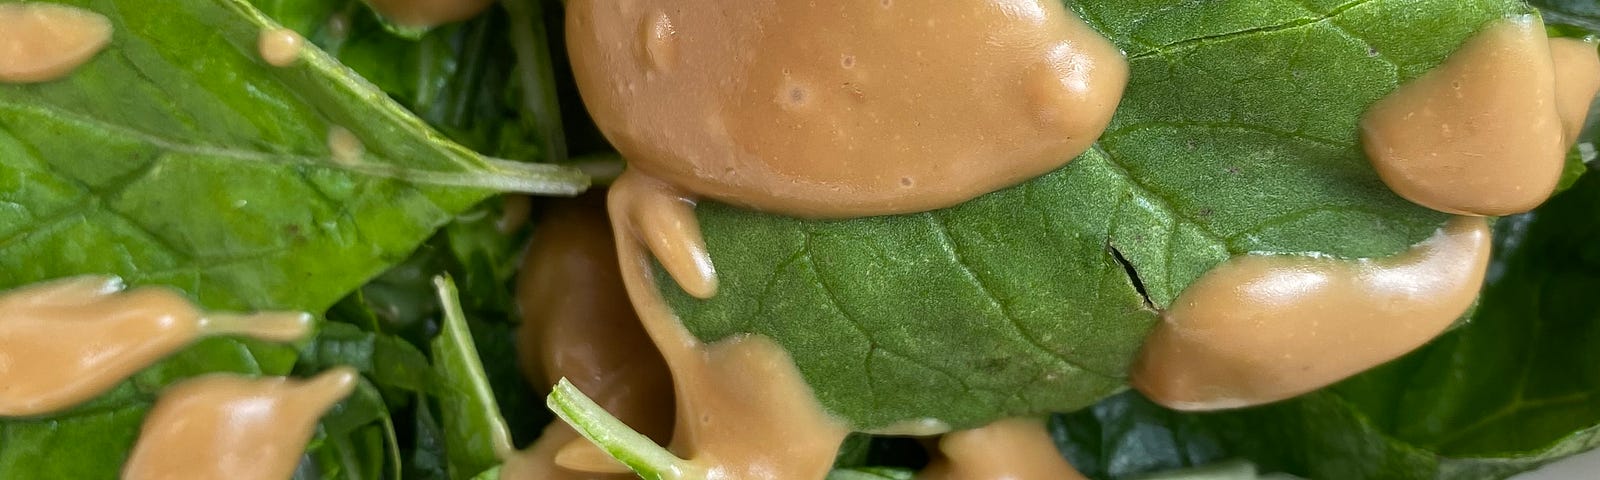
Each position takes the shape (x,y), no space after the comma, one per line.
(638,452)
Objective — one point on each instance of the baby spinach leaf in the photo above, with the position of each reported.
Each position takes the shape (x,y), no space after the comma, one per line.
(475,433)
(1238,134)
(1510,391)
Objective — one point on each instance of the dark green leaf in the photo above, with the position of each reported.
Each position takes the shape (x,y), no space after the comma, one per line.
(1238,134)
(1512,390)
(1584,14)
(384,359)
(474,432)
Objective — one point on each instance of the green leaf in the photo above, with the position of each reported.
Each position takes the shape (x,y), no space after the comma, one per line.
(1238,134)
(474,432)
(638,452)
(1512,390)
(384,359)
(1579,13)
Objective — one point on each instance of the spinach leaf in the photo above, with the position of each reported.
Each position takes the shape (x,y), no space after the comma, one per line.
(1583,14)
(1237,135)
(475,433)
(1510,391)
(177,157)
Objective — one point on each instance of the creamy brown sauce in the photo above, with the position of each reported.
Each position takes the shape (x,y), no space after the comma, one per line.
(428,13)
(843,108)
(577,323)
(1258,329)
(345,147)
(1577,64)
(1479,135)
(67,341)
(280,47)
(662,217)
(1015,449)
(42,41)
(223,426)
(743,409)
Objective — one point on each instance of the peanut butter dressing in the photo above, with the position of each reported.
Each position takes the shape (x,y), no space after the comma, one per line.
(743,410)
(1481,134)
(223,426)
(280,47)
(1015,449)
(67,341)
(42,41)
(577,323)
(839,108)
(428,13)
(1259,329)
(1577,65)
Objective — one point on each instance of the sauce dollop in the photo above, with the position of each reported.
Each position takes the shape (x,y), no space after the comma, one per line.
(67,341)
(1014,449)
(1577,65)
(1480,134)
(223,426)
(842,108)
(42,41)
(1259,329)
(280,47)
(428,13)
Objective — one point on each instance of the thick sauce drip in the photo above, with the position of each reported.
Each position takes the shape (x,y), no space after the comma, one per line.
(1015,449)
(41,41)
(743,410)
(1577,65)
(67,341)
(1264,328)
(577,323)
(1479,135)
(428,13)
(280,47)
(843,108)
(222,426)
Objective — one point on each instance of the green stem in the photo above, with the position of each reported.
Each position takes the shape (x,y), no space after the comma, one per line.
(638,452)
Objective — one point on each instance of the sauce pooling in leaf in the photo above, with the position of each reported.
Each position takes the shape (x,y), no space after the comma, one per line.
(743,409)
(42,41)
(1577,65)
(223,426)
(1014,449)
(64,342)
(839,109)
(577,324)
(1479,135)
(1259,329)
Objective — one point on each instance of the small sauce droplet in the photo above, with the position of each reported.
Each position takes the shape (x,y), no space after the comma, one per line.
(42,41)
(280,47)
(66,341)
(1259,329)
(345,146)
(225,426)
(1480,134)
(1008,449)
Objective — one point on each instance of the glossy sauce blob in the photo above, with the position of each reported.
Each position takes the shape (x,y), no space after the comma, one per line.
(1577,65)
(1259,329)
(743,409)
(1015,449)
(67,341)
(843,108)
(428,13)
(1479,135)
(42,41)
(577,323)
(280,47)
(236,428)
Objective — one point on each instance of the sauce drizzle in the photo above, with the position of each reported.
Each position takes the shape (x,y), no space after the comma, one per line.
(224,426)
(1014,449)
(1259,329)
(40,41)
(67,341)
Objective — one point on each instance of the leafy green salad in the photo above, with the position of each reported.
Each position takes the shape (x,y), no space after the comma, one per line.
(179,157)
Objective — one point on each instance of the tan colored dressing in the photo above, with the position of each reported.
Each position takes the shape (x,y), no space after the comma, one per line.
(280,47)
(1479,135)
(67,341)
(223,426)
(1259,329)
(743,410)
(428,13)
(345,146)
(1577,64)
(42,41)
(1015,449)
(840,108)
(577,323)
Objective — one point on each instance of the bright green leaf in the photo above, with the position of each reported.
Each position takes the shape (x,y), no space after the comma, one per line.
(475,434)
